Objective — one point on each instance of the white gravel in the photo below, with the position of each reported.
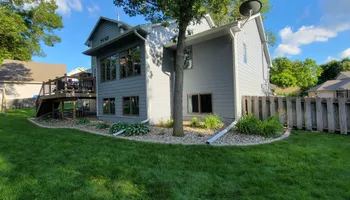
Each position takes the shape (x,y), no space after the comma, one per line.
(164,135)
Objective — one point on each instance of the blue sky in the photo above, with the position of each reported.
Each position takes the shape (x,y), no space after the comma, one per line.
(317,29)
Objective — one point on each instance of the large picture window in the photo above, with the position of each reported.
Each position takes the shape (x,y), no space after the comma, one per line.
(108,68)
(109,106)
(130,62)
(131,106)
(200,103)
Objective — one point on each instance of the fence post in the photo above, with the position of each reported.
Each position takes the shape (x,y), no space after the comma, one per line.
(299,114)
(342,116)
(263,108)
(256,106)
(244,105)
(319,116)
(272,106)
(308,117)
(280,109)
(290,112)
(330,115)
(249,104)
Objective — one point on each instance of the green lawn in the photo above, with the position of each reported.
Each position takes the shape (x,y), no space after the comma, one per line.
(37,163)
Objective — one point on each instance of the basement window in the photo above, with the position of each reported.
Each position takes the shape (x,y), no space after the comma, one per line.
(109,106)
(200,103)
(131,106)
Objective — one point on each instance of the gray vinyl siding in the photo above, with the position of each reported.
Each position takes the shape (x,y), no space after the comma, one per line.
(105,28)
(251,74)
(212,73)
(125,87)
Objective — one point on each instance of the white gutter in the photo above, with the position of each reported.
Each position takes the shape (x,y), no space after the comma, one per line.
(138,35)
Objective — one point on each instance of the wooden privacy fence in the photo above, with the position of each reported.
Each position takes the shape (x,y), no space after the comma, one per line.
(321,114)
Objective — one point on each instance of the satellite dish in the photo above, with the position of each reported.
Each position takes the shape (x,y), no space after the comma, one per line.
(250,8)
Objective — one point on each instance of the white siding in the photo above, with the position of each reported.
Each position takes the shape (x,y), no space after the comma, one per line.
(251,75)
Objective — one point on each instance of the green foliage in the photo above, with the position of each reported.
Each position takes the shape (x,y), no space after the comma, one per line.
(116,127)
(287,73)
(252,125)
(248,124)
(24,28)
(82,121)
(136,129)
(166,124)
(195,122)
(101,125)
(212,121)
(332,69)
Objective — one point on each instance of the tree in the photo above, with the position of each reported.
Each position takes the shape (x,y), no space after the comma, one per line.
(24,24)
(230,11)
(332,69)
(287,73)
(183,11)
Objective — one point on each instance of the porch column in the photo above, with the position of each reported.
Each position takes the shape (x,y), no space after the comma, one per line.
(62,111)
(74,109)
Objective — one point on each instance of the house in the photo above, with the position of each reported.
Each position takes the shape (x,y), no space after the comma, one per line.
(22,81)
(338,88)
(135,68)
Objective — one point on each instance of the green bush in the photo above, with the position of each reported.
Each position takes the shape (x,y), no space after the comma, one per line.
(116,127)
(136,129)
(130,128)
(251,125)
(82,121)
(212,121)
(195,122)
(166,124)
(271,127)
(101,125)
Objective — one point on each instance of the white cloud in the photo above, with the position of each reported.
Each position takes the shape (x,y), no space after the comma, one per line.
(292,41)
(330,58)
(92,9)
(66,6)
(345,53)
(335,19)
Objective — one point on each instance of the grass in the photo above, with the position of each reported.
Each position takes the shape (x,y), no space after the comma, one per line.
(37,163)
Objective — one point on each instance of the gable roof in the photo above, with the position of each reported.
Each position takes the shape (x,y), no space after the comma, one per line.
(333,85)
(100,20)
(19,71)
(343,75)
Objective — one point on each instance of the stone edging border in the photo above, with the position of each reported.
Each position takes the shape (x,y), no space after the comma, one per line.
(282,137)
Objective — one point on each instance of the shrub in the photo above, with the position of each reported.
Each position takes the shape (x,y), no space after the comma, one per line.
(251,125)
(248,124)
(82,121)
(212,121)
(166,124)
(195,122)
(136,129)
(101,125)
(116,127)
(271,127)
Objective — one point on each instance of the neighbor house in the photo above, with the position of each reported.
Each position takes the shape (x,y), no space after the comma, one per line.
(23,80)
(338,88)
(135,68)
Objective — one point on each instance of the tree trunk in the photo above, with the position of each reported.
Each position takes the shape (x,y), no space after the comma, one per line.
(179,77)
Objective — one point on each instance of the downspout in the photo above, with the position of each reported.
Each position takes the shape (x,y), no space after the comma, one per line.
(236,98)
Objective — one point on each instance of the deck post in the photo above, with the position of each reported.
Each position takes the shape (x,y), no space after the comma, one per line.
(53,110)
(62,111)
(74,109)
(56,86)
(43,88)
(49,86)
(65,82)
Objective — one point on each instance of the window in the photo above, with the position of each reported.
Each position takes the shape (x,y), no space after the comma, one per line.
(130,62)
(245,56)
(200,103)
(105,39)
(131,106)
(109,106)
(108,68)
(188,58)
